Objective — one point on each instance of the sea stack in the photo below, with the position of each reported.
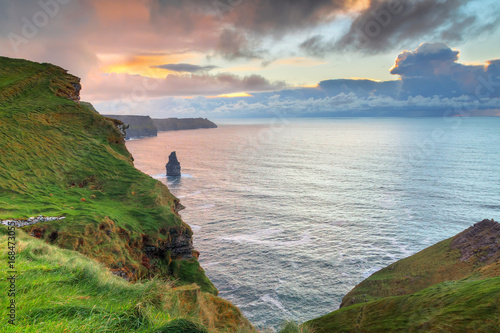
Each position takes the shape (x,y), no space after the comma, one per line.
(173,166)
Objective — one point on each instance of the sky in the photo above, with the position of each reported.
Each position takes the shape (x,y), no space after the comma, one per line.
(256,58)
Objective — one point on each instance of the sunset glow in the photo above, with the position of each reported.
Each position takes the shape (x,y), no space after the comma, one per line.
(232,95)
(241,52)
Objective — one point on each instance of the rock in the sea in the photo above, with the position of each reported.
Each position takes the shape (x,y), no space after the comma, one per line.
(173,165)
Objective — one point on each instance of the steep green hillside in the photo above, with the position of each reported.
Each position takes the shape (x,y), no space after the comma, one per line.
(58,157)
(63,291)
(453,286)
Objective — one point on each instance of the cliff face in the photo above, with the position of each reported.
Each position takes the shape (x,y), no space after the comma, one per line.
(144,126)
(176,124)
(138,126)
(61,158)
(452,286)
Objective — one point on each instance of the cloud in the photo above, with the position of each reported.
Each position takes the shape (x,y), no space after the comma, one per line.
(126,87)
(233,44)
(389,24)
(416,63)
(236,29)
(431,83)
(188,68)
(340,105)
(45,31)
(433,69)
(262,17)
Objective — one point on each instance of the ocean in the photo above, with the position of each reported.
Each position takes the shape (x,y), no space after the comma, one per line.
(290,214)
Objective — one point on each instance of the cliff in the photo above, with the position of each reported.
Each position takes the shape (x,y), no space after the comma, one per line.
(452,286)
(138,126)
(59,158)
(144,126)
(176,124)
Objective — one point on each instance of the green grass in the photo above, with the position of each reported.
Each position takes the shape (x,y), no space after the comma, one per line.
(63,291)
(454,306)
(430,266)
(430,291)
(59,157)
(190,271)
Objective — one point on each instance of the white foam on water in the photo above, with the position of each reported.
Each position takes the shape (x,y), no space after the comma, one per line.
(195,227)
(258,238)
(274,302)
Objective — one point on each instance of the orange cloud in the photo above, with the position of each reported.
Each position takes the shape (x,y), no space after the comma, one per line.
(232,95)
(144,64)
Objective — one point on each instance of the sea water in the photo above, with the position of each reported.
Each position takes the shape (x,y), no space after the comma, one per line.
(290,214)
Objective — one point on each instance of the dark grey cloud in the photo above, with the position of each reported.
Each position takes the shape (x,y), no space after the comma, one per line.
(234,44)
(277,17)
(186,68)
(264,17)
(390,24)
(238,26)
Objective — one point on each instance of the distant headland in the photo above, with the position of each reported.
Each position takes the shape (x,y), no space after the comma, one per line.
(145,126)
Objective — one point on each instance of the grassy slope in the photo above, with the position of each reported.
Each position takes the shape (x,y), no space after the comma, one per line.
(455,306)
(59,157)
(432,290)
(63,291)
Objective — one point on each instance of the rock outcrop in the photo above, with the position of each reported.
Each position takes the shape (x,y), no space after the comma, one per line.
(179,246)
(481,241)
(173,166)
